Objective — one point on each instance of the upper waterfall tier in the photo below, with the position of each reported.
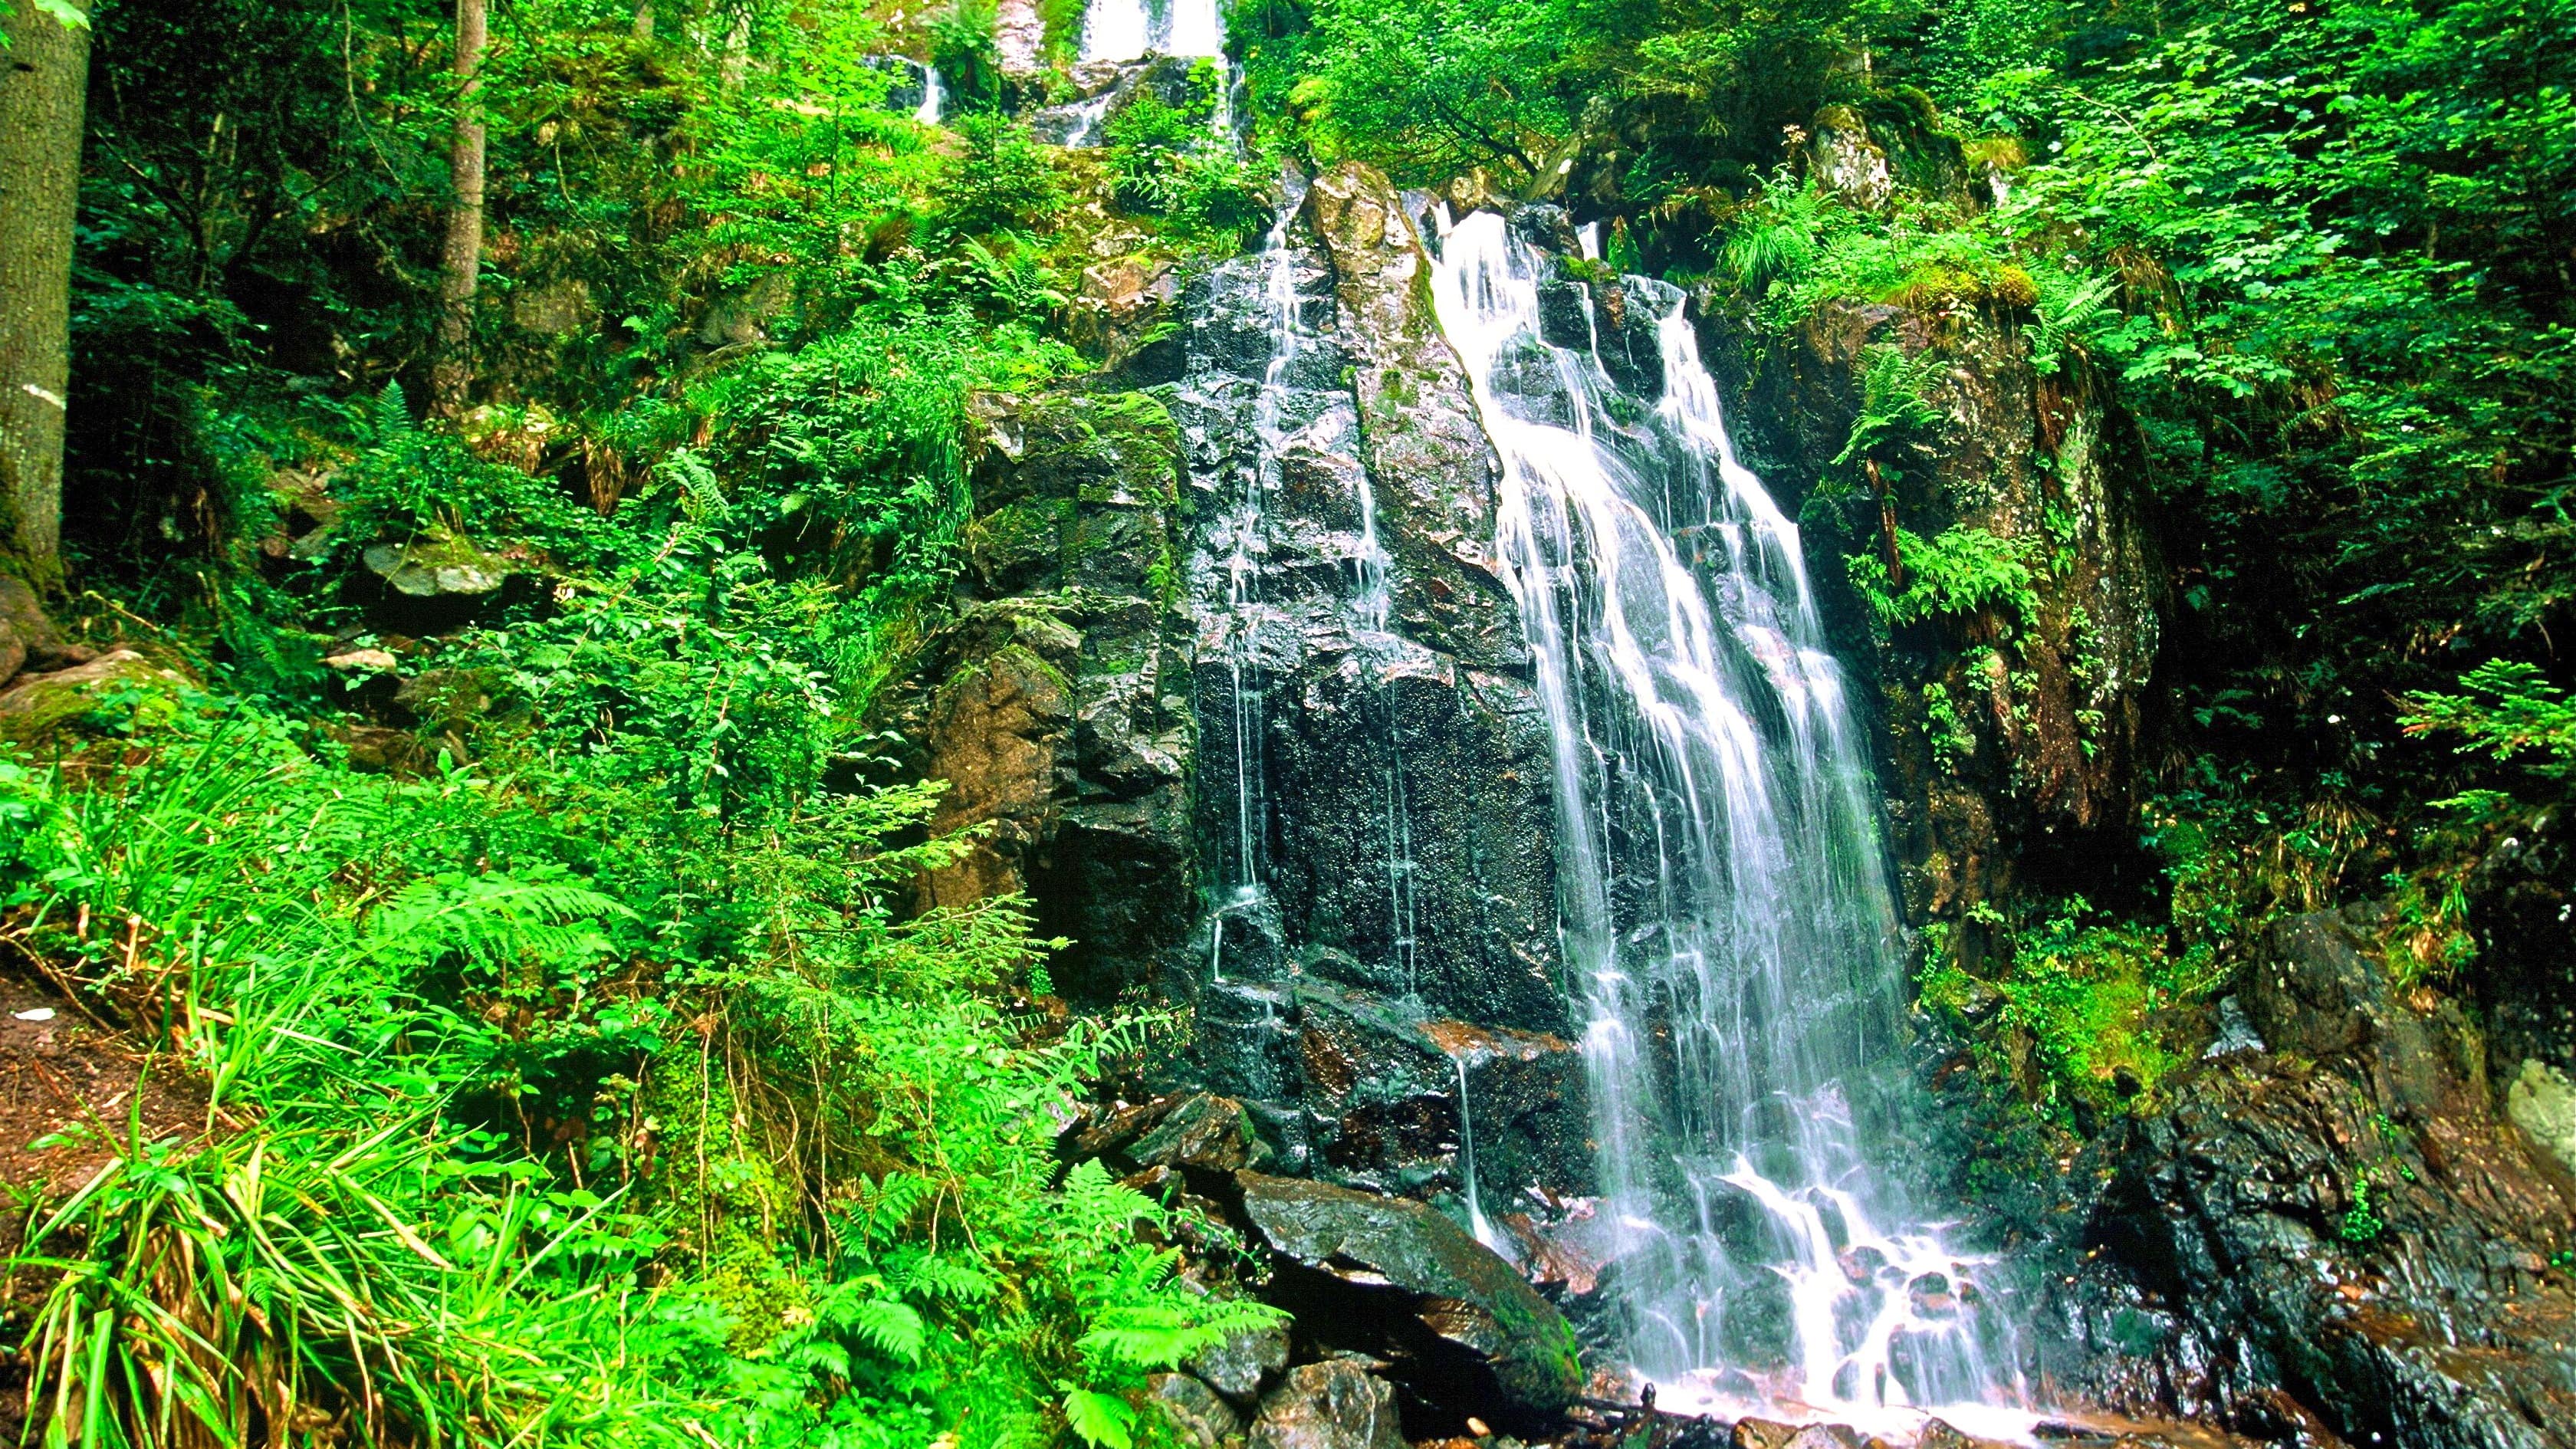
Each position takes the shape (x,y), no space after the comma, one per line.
(1133,29)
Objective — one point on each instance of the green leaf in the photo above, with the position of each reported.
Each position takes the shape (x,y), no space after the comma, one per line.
(1104,1421)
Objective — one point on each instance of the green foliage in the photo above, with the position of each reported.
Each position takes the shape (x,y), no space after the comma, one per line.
(2095,1001)
(1954,740)
(1000,179)
(1965,572)
(2360,1223)
(1780,238)
(397,986)
(1895,421)
(1175,163)
(593,1078)
(1436,86)
(2510,712)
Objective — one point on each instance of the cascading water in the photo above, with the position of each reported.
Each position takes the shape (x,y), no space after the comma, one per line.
(934,97)
(1724,895)
(1246,534)
(1133,29)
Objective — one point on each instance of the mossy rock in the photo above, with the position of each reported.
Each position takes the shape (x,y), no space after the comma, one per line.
(1093,447)
(1480,1303)
(118,693)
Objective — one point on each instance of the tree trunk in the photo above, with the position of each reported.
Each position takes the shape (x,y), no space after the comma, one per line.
(737,51)
(462,258)
(644,19)
(44,81)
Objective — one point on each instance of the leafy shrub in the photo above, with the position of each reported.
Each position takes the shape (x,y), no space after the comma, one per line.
(1001,179)
(2095,998)
(1176,164)
(409,482)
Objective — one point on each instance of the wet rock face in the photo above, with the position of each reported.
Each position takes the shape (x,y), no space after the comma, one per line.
(1103,88)
(1373,798)
(1465,1335)
(1335,1404)
(2342,1216)
(1322,823)
(1058,707)
(2016,743)
(1427,457)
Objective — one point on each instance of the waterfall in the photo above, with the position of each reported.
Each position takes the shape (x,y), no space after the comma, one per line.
(934,97)
(1725,907)
(1133,29)
(1477,1222)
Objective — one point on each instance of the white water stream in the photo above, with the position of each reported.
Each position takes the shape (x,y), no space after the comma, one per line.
(934,97)
(1724,894)
(1133,29)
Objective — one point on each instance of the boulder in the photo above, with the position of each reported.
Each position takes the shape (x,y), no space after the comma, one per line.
(363,661)
(2542,1102)
(377,750)
(1336,1404)
(447,699)
(2347,1221)
(1844,159)
(2312,991)
(437,582)
(1761,1434)
(121,682)
(448,568)
(1201,1418)
(1121,313)
(1393,1277)
(1942,1434)
(1236,1367)
(1203,1131)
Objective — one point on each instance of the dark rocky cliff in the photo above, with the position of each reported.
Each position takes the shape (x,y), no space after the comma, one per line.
(1083,701)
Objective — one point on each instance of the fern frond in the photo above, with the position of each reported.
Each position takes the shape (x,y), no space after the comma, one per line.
(891,1328)
(879,1210)
(492,920)
(2066,312)
(933,1276)
(1103,1421)
(394,428)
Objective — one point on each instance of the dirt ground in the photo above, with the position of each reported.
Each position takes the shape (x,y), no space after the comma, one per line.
(64,1077)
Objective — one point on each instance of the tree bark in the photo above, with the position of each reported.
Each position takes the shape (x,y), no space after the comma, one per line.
(44,83)
(644,19)
(461,259)
(737,51)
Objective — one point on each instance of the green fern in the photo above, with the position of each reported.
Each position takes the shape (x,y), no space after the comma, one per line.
(1894,414)
(1782,237)
(1965,571)
(394,430)
(493,920)
(1103,1421)
(889,1326)
(2068,308)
